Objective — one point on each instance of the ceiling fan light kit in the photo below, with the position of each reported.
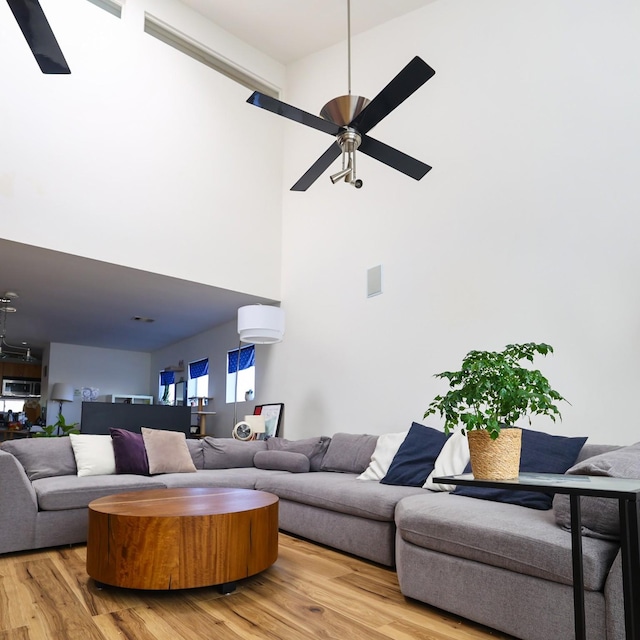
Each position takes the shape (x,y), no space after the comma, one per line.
(349,118)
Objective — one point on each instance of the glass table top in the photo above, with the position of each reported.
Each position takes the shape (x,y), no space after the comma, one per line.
(603,486)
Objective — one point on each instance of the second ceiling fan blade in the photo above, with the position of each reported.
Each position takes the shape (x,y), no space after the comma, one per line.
(317,168)
(393,158)
(39,36)
(409,80)
(293,113)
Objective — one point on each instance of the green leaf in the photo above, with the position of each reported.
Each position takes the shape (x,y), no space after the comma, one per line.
(493,388)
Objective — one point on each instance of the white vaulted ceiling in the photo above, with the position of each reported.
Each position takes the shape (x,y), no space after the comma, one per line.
(288,30)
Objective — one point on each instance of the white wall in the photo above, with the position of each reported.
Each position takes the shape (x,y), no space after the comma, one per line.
(111,371)
(142,156)
(526,229)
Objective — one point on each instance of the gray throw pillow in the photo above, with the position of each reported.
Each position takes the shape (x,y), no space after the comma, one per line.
(282,461)
(227,453)
(349,452)
(599,516)
(43,457)
(313,448)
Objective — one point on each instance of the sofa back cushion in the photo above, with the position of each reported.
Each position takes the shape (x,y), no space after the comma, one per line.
(313,448)
(600,517)
(196,451)
(227,453)
(43,457)
(349,452)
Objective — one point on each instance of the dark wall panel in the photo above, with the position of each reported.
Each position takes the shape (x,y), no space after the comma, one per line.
(99,417)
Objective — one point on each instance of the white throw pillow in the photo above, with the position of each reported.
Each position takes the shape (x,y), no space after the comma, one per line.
(451,461)
(386,448)
(94,454)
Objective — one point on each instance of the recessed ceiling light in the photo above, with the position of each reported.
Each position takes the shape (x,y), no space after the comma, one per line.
(142,319)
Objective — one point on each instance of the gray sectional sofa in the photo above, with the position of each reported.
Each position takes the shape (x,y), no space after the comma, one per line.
(503,565)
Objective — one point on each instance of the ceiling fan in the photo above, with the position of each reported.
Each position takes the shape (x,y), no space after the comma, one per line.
(39,36)
(349,118)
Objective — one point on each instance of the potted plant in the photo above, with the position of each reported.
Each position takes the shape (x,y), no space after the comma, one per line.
(492,391)
(58,428)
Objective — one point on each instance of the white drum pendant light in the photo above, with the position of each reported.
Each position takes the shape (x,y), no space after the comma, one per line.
(260,324)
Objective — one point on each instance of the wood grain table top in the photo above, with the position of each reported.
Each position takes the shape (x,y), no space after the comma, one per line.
(182,502)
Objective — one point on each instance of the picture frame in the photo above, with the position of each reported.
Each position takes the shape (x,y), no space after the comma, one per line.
(272,417)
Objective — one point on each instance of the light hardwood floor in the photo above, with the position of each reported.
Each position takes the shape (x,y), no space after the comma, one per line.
(311,592)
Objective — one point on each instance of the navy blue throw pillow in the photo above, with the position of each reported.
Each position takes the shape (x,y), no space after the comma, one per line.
(416,456)
(541,453)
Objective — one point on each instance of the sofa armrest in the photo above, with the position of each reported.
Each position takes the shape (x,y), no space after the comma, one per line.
(18,506)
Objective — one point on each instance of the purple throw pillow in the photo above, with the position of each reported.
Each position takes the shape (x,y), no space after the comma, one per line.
(129,452)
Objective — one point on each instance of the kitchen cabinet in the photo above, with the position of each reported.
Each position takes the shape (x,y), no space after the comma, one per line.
(12,370)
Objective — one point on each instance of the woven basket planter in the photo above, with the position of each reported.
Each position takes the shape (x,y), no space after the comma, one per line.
(497,459)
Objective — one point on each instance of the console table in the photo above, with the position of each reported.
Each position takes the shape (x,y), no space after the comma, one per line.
(9,434)
(626,491)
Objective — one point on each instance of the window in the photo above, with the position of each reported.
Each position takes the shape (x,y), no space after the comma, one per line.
(167,34)
(245,370)
(198,384)
(166,387)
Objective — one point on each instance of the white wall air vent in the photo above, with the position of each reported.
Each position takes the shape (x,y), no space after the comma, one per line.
(374,281)
(110,6)
(199,52)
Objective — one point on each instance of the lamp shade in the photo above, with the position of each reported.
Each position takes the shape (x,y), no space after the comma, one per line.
(62,392)
(260,324)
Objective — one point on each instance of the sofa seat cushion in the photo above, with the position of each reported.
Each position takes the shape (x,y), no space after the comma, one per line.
(341,492)
(73,492)
(239,478)
(512,537)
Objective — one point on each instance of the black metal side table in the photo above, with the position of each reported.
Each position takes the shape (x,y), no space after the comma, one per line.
(625,491)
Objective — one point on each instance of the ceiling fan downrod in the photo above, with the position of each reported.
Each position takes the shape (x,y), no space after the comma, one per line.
(341,111)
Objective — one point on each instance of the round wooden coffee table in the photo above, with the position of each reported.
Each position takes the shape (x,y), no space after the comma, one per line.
(181,538)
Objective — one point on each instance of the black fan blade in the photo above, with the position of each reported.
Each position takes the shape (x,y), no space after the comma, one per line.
(410,79)
(393,158)
(293,113)
(39,36)
(318,168)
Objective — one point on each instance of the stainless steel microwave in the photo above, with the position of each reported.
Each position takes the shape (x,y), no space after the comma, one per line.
(21,388)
